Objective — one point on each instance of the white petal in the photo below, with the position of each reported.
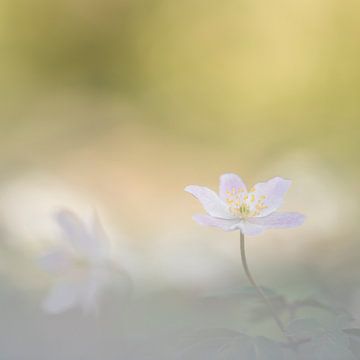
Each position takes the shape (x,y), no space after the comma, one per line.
(224,224)
(62,296)
(228,183)
(245,227)
(55,262)
(78,290)
(74,230)
(273,191)
(211,202)
(250,229)
(92,243)
(279,220)
(100,242)
(93,287)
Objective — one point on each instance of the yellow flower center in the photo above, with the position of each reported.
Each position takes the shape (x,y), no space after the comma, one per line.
(245,205)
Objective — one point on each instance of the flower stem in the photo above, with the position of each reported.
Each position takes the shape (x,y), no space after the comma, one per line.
(257,288)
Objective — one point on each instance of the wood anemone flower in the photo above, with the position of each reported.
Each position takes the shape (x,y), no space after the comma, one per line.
(250,211)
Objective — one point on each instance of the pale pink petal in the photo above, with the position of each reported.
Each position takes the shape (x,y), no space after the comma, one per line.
(93,288)
(279,220)
(229,224)
(100,244)
(62,296)
(55,262)
(224,224)
(78,291)
(250,229)
(74,230)
(272,193)
(90,242)
(228,183)
(211,202)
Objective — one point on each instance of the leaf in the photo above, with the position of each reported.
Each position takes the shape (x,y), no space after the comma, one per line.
(303,327)
(217,344)
(267,349)
(225,344)
(327,346)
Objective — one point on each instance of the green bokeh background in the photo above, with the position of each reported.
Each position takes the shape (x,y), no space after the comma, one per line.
(243,75)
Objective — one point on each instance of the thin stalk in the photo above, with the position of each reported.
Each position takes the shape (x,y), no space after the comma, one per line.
(256,287)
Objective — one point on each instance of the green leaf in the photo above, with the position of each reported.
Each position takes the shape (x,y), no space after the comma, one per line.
(267,349)
(303,327)
(327,346)
(217,344)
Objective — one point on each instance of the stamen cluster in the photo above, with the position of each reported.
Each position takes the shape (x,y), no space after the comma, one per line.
(245,204)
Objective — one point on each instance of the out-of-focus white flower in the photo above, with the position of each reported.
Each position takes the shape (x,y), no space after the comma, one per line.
(82,266)
(236,208)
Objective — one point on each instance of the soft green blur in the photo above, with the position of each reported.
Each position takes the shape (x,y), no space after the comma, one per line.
(256,77)
(125,102)
(244,83)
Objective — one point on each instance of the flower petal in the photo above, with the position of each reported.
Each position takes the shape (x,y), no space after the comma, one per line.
(250,229)
(100,241)
(90,242)
(74,230)
(62,296)
(76,289)
(228,183)
(229,224)
(93,288)
(55,262)
(224,224)
(211,202)
(279,220)
(273,192)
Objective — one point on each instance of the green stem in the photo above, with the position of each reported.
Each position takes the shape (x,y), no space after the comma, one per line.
(257,288)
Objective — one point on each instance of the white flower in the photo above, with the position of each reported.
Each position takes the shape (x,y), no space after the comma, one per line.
(236,208)
(82,266)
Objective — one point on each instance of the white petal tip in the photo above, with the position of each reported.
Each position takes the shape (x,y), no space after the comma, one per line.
(191,189)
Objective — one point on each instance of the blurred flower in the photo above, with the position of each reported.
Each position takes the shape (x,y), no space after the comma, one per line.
(236,208)
(83,265)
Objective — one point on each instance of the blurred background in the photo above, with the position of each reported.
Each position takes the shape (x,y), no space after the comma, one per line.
(117,105)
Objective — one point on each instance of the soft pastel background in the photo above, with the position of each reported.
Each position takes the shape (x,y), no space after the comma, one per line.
(119,104)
